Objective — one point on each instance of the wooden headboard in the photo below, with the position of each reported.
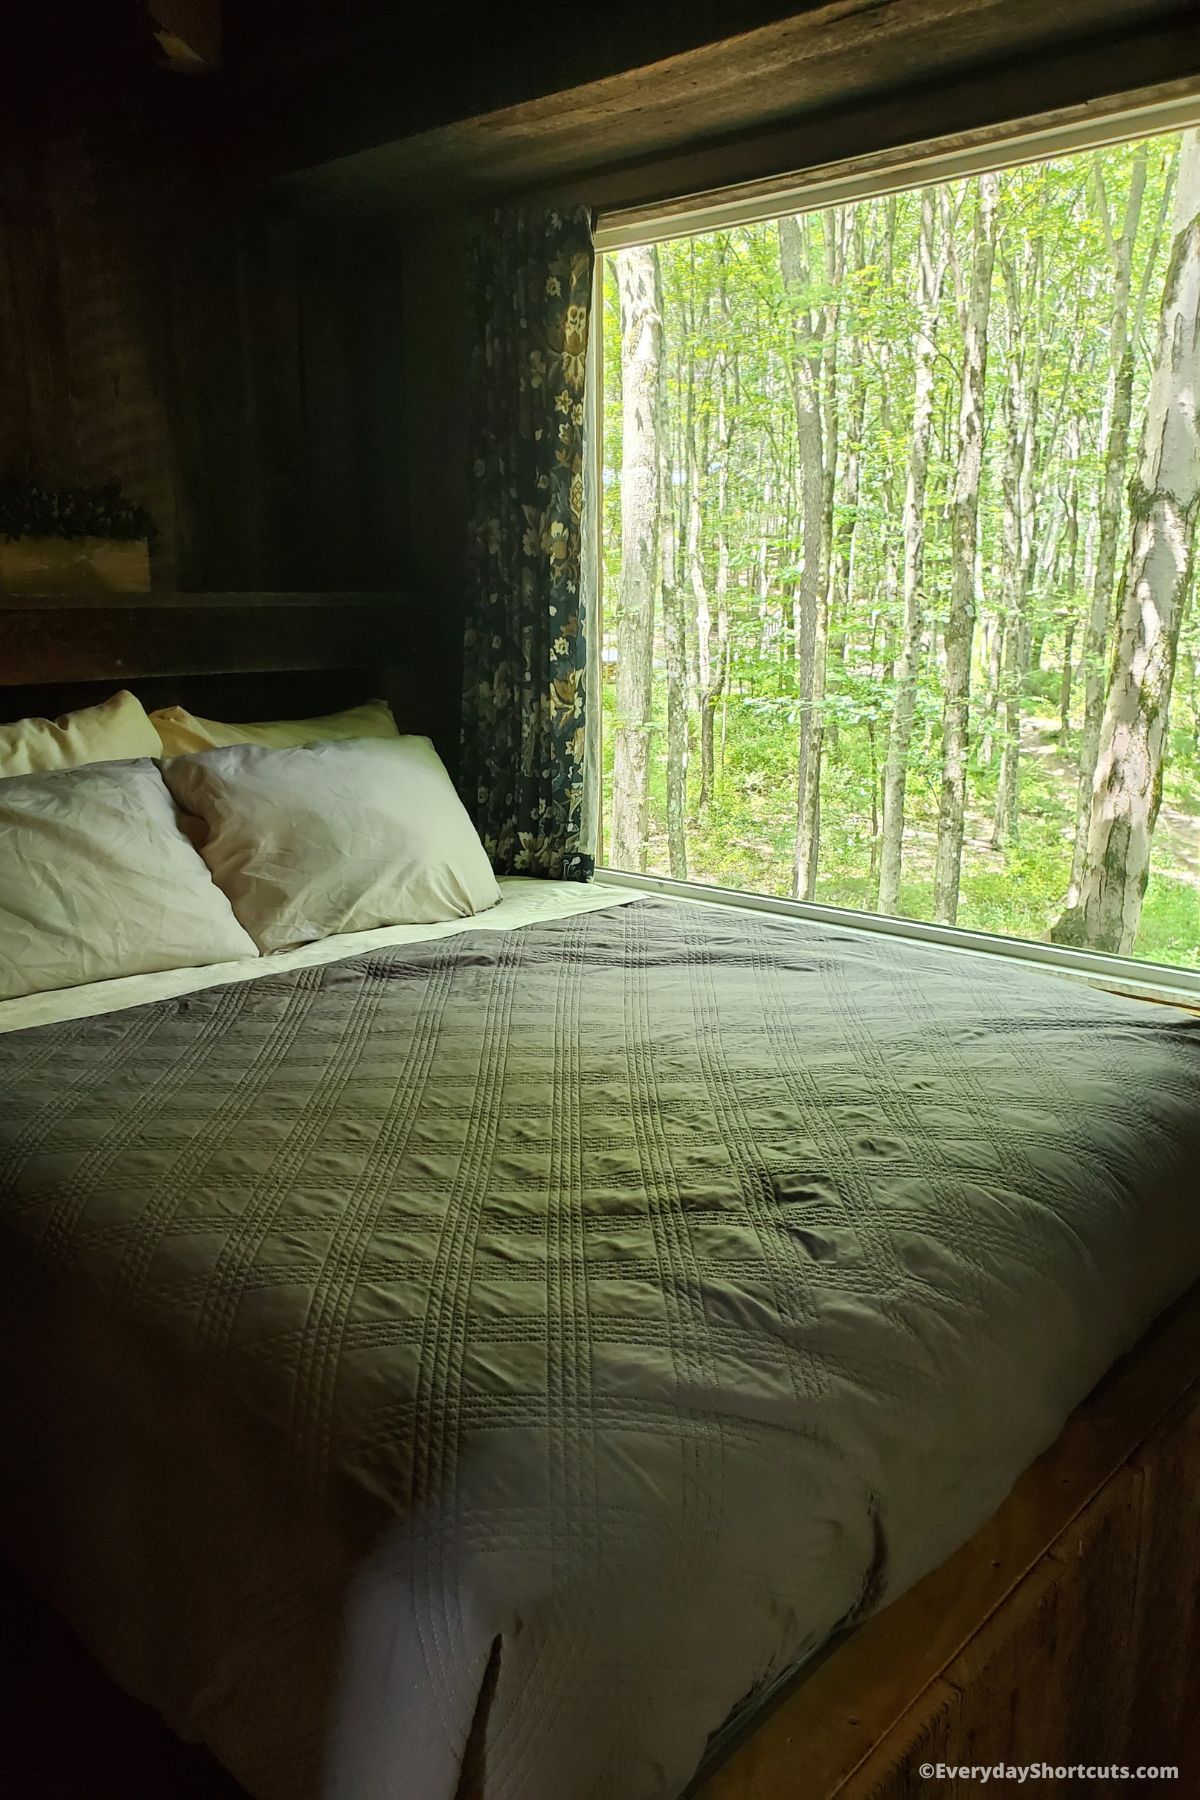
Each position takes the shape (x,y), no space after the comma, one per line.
(234,656)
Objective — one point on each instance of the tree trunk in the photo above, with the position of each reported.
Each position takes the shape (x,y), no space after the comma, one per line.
(890,548)
(807,332)
(964,521)
(712,634)
(1118,399)
(1069,626)
(841,578)
(1064,690)
(696,458)
(931,269)
(674,609)
(1025,344)
(991,653)
(675,633)
(641,356)
(1164,498)
(1002,711)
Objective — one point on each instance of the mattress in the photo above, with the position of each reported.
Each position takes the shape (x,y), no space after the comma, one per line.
(484,1365)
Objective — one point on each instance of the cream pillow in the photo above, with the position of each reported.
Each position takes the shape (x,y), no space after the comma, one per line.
(113,730)
(97,880)
(182,733)
(326,838)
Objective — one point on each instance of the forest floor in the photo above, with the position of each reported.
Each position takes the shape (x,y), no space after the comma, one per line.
(1176,836)
(746,838)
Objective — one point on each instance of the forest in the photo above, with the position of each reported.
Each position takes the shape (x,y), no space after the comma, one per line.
(899,516)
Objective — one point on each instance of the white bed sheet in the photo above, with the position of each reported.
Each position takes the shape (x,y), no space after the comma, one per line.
(524,899)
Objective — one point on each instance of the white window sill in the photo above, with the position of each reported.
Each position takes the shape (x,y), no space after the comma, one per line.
(1117,974)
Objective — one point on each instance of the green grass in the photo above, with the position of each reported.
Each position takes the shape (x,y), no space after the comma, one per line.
(747,835)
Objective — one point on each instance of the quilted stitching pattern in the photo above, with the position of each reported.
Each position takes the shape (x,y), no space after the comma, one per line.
(660,1286)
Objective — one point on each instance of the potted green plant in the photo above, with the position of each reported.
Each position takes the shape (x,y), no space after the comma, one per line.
(71,540)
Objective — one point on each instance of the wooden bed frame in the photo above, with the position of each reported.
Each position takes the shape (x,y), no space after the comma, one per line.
(234,656)
(1067,1630)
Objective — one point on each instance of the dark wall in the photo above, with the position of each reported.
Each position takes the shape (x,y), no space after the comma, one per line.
(234,365)
(279,346)
(79,396)
(435,343)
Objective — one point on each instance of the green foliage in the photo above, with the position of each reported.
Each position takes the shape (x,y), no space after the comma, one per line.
(729,357)
(32,507)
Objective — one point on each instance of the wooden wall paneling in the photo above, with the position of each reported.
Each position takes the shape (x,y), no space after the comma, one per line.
(236,366)
(329,387)
(434,488)
(1164,1643)
(788,1769)
(1002,1716)
(35,411)
(1086,1688)
(182,278)
(249,514)
(386,448)
(81,390)
(270,283)
(1046,1677)
(849,1703)
(212,414)
(436,350)
(239,656)
(211,634)
(1038,1681)
(222,472)
(929,1732)
(103,230)
(274,373)
(244,473)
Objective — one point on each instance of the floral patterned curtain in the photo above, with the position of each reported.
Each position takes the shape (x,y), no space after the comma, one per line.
(524,649)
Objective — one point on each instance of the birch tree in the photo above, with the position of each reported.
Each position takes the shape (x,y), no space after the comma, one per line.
(674,612)
(1071,500)
(964,527)
(841,577)
(641,357)
(1022,397)
(712,629)
(1118,398)
(931,270)
(808,329)
(853,460)
(1163,500)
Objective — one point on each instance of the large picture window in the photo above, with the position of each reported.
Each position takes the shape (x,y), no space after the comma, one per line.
(899,502)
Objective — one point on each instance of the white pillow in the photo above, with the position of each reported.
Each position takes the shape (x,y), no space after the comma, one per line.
(114,729)
(334,837)
(97,879)
(183,732)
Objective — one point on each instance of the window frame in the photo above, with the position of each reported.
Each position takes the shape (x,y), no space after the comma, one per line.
(1145,113)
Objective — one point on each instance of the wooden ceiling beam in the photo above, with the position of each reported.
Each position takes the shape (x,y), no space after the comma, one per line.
(848,77)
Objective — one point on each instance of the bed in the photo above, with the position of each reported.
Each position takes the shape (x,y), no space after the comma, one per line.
(503,1359)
